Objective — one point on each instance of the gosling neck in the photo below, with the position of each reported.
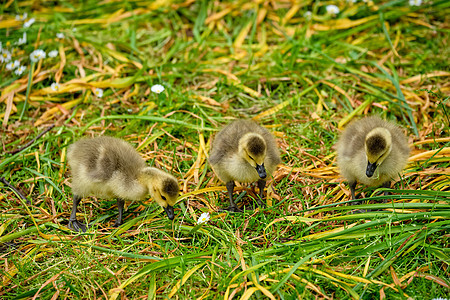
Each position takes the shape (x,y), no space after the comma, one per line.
(149,177)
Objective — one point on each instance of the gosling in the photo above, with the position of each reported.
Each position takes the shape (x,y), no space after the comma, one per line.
(108,167)
(371,146)
(245,152)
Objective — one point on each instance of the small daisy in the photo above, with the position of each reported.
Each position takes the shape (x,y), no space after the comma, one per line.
(157,88)
(37,55)
(29,22)
(12,65)
(415,2)
(21,17)
(204,217)
(5,56)
(60,35)
(55,86)
(98,93)
(20,70)
(53,53)
(23,39)
(332,9)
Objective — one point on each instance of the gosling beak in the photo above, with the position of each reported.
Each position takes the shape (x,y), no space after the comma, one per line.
(261,170)
(169,212)
(370,169)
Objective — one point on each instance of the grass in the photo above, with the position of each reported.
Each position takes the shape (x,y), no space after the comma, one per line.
(303,78)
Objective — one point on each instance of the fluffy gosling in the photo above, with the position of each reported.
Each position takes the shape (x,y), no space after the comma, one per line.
(108,167)
(371,146)
(245,152)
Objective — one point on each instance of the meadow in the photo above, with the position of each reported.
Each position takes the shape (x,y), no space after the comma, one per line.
(302,69)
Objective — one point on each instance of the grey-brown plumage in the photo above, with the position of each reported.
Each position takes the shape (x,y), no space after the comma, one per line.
(245,152)
(108,167)
(371,151)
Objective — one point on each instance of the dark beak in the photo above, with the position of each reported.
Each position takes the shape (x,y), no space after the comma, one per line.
(261,171)
(370,169)
(169,212)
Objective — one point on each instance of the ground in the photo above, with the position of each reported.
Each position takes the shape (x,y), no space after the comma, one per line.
(296,68)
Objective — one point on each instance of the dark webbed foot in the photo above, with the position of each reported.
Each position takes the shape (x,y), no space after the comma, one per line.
(120,204)
(386,185)
(230,189)
(352,189)
(117,223)
(233,209)
(359,211)
(255,205)
(261,185)
(261,204)
(77,226)
(73,223)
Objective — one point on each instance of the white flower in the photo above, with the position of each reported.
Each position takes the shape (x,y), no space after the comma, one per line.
(415,2)
(157,88)
(307,14)
(55,86)
(60,35)
(98,93)
(23,39)
(37,55)
(12,65)
(21,17)
(74,29)
(204,217)
(20,70)
(29,22)
(352,1)
(332,9)
(53,53)
(5,56)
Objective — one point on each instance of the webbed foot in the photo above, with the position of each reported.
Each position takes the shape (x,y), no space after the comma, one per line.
(253,205)
(232,209)
(359,211)
(76,226)
(260,204)
(117,223)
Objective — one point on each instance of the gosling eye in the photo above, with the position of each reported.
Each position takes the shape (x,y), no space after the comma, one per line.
(163,197)
(251,157)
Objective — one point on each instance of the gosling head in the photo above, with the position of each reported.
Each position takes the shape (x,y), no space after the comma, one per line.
(252,148)
(378,145)
(163,188)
